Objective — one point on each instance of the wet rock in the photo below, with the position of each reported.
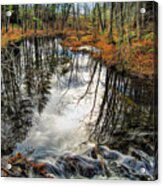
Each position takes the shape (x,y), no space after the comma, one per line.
(80,165)
(98,161)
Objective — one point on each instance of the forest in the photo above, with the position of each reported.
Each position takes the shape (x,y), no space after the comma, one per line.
(120,30)
(79,90)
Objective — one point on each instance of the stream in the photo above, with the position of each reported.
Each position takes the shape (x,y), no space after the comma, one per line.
(70,111)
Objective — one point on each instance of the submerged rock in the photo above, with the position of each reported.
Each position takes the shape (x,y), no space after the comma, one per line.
(97,162)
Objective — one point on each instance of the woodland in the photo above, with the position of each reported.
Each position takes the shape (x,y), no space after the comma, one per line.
(120,30)
(79,90)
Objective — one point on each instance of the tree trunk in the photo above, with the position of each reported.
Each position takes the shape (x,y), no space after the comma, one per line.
(100,17)
(122,22)
(65,14)
(78,22)
(85,11)
(138,20)
(47,19)
(94,22)
(25,17)
(35,21)
(74,16)
(57,18)
(143,16)
(7,24)
(54,16)
(111,23)
(104,11)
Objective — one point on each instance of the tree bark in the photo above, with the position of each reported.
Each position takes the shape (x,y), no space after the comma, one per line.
(104,13)
(100,17)
(138,20)
(66,11)
(35,21)
(111,23)
(122,22)
(78,22)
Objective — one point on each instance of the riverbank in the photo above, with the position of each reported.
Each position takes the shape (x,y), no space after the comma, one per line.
(15,34)
(72,104)
(77,166)
(137,58)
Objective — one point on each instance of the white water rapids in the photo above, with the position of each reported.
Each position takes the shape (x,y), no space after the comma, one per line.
(60,131)
(61,125)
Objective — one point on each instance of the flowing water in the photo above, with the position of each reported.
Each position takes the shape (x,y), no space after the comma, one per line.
(83,119)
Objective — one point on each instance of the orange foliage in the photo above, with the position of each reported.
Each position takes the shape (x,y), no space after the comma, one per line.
(139,56)
(142,59)
(37,167)
(16,34)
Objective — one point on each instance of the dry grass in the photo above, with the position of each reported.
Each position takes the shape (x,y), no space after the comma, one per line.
(16,34)
(139,58)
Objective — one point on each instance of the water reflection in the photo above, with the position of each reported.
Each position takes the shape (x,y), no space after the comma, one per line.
(47,91)
(27,68)
(126,116)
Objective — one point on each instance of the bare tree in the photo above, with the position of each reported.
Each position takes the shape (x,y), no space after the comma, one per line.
(100,17)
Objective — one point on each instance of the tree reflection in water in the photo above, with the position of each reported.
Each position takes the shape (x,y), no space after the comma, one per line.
(126,113)
(124,119)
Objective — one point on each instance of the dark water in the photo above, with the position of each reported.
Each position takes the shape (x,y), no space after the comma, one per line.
(73,112)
